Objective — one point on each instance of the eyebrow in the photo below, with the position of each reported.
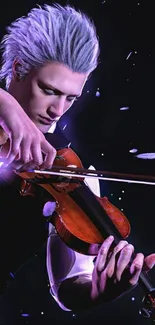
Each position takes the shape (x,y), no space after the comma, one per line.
(58,91)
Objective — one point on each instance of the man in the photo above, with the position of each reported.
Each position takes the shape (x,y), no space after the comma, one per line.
(47,59)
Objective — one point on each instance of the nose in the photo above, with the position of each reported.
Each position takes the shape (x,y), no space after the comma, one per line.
(57,107)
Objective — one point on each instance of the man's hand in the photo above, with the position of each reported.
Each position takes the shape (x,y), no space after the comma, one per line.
(26,141)
(112,264)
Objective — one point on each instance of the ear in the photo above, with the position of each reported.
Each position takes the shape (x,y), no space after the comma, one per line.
(15,68)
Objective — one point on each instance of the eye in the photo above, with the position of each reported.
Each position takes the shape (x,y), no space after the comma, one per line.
(48,91)
(70,99)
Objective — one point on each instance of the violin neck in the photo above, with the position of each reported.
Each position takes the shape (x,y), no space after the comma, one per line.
(145,281)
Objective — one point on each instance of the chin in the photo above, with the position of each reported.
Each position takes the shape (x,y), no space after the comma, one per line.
(43,128)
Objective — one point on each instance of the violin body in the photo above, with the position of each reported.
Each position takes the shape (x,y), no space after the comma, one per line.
(72,223)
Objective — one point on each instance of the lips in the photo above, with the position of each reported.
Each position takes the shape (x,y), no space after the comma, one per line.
(45,120)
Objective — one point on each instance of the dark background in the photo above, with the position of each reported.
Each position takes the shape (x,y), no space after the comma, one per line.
(102,134)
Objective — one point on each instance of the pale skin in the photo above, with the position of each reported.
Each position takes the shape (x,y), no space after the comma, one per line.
(118,262)
(27,111)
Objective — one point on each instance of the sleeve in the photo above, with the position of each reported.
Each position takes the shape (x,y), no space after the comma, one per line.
(63,262)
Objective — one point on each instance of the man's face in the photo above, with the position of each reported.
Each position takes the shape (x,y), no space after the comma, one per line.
(47,93)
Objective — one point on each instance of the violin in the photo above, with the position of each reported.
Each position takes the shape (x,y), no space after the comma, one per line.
(81,219)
